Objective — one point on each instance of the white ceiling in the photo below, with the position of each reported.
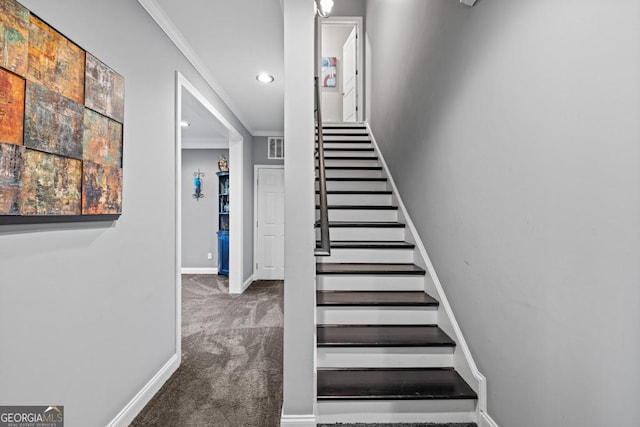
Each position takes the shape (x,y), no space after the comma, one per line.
(203,126)
(230,42)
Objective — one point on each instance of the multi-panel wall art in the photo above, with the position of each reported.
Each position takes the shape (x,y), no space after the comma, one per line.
(61,123)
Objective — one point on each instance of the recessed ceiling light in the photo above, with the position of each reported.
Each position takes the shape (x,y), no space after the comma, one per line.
(264,78)
(185,124)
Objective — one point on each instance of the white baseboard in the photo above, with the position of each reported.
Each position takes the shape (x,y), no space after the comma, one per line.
(143,397)
(486,420)
(206,270)
(298,421)
(247,283)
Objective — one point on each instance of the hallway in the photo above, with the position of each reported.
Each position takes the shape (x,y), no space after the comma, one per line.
(231,371)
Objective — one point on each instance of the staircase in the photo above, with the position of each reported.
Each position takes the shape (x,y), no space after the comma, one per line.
(381,356)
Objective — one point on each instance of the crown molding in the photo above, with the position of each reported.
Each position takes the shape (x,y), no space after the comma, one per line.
(178,39)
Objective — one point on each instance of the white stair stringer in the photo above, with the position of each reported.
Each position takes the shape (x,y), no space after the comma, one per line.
(463,361)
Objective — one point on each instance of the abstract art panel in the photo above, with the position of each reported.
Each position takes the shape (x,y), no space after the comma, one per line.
(101,189)
(329,71)
(14,36)
(52,184)
(52,123)
(55,61)
(11,108)
(104,89)
(11,167)
(102,140)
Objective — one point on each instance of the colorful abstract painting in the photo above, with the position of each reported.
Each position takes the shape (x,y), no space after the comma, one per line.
(52,184)
(11,167)
(329,71)
(14,36)
(102,140)
(101,189)
(104,89)
(11,108)
(55,61)
(52,122)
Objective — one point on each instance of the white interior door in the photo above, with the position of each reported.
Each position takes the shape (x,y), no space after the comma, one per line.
(350,78)
(270,225)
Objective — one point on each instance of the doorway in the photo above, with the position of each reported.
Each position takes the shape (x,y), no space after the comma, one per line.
(341,68)
(269,222)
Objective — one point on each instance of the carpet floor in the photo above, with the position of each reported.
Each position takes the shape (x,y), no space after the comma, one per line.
(231,371)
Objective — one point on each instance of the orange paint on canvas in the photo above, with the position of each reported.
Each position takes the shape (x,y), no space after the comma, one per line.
(101,189)
(14,36)
(55,61)
(11,108)
(102,140)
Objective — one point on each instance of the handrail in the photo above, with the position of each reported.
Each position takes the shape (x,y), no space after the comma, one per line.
(325,245)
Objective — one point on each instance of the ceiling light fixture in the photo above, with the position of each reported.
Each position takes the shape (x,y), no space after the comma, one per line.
(323,7)
(265,78)
(185,124)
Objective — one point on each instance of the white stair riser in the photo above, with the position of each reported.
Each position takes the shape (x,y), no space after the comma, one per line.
(346,145)
(353,282)
(385,357)
(364,233)
(354,153)
(351,162)
(354,173)
(355,186)
(329,138)
(376,315)
(398,256)
(364,215)
(396,411)
(358,199)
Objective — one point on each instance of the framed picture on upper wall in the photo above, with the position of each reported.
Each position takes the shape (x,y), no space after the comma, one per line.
(329,71)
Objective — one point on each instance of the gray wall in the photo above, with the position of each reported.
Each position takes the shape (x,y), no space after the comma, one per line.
(87,312)
(511,129)
(260,152)
(200,218)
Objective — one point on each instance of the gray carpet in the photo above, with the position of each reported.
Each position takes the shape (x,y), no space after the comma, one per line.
(401,425)
(231,371)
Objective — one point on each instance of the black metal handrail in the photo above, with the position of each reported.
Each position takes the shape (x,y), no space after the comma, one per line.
(324,249)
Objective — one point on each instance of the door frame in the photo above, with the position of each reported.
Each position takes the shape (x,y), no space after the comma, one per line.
(341,21)
(236,161)
(256,169)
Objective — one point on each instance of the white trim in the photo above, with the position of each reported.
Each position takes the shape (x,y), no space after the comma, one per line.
(444,302)
(139,401)
(247,283)
(196,270)
(298,421)
(170,29)
(256,168)
(268,133)
(357,21)
(204,143)
(486,420)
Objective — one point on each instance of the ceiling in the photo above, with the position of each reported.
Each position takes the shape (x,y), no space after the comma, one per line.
(203,126)
(230,42)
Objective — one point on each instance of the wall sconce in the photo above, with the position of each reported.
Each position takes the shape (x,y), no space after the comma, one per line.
(197,184)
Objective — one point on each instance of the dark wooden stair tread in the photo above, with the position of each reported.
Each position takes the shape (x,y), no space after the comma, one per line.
(362,207)
(377,299)
(372,168)
(392,384)
(366,244)
(382,336)
(357,192)
(359,133)
(350,149)
(346,141)
(354,179)
(360,224)
(362,268)
(350,158)
(362,127)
